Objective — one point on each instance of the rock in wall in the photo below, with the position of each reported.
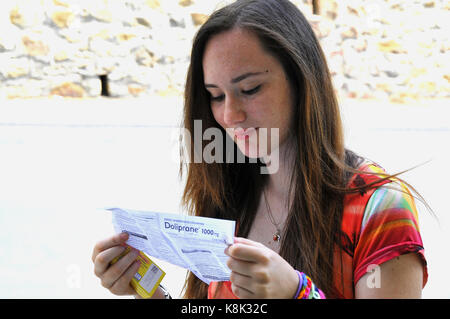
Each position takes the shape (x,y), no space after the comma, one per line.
(375,49)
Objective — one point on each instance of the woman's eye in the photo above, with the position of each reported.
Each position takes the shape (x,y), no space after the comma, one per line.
(221,97)
(217,98)
(252,91)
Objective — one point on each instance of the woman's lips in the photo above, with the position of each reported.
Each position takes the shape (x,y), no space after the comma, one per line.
(242,134)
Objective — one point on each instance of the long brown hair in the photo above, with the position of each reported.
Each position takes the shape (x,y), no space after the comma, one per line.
(321,167)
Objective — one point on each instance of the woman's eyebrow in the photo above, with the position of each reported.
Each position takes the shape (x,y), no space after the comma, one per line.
(244,76)
(237,79)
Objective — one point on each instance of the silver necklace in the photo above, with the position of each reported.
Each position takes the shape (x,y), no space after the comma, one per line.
(277,235)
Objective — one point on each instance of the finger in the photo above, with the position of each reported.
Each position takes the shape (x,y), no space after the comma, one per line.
(248,253)
(241,280)
(116,240)
(122,285)
(114,272)
(241,292)
(103,259)
(243,268)
(246,241)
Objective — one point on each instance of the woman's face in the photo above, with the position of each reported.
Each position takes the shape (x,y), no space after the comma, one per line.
(250,92)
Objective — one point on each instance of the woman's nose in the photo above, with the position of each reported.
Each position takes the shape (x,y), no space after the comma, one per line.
(233,112)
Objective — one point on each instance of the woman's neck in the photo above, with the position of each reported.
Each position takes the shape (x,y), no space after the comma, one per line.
(278,184)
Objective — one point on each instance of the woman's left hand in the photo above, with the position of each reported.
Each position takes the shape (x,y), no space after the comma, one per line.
(259,272)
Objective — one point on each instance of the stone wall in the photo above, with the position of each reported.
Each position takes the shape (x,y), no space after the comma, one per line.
(395,49)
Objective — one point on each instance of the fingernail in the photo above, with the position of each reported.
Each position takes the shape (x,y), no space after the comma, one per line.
(123,236)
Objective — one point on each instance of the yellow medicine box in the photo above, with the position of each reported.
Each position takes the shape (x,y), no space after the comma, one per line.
(148,276)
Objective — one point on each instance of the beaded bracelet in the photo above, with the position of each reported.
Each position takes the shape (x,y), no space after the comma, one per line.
(300,284)
(307,289)
(303,289)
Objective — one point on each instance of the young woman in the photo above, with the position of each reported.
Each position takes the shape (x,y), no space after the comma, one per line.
(325,222)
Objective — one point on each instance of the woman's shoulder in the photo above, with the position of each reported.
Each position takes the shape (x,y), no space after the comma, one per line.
(391,199)
(392,193)
(372,168)
(388,203)
(367,172)
(386,197)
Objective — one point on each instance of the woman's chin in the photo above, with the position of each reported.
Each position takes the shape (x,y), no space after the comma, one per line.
(251,153)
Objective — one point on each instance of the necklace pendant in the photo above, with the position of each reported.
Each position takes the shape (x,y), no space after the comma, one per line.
(276,236)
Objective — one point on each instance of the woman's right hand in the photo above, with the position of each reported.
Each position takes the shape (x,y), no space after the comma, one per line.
(117,277)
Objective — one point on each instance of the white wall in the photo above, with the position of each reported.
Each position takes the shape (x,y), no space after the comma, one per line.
(63,160)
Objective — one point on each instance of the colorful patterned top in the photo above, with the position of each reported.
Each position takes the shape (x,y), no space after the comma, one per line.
(378,225)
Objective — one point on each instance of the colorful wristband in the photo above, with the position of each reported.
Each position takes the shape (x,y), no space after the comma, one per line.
(307,289)
(300,284)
